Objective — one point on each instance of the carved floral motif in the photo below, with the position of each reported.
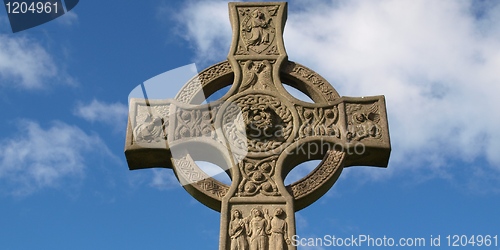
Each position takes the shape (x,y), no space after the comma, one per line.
(257,177)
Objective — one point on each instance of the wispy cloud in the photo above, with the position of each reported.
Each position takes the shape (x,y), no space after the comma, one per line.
(68,19)
(205,24)
(114,114)
(163,179)
(24,62)
(40,157)
(435,61)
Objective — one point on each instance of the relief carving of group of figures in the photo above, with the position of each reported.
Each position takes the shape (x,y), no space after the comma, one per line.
(259,230)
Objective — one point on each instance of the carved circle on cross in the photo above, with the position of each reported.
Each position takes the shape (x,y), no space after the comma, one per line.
(304,191)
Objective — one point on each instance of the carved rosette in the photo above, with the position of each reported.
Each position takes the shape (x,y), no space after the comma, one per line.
(262,119)
(363,121)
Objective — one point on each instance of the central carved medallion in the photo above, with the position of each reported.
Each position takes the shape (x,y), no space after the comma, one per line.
(257,122)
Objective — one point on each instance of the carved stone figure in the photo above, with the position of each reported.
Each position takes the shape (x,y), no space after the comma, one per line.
(237,231)
(257,132)
(278,230)
(258,227)
(258,29)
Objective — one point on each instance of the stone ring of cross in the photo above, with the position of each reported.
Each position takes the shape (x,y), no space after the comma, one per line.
(257,132)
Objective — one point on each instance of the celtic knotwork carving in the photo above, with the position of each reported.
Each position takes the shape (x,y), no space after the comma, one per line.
(257,177)
(319,175)
(185,168)
(362,120)
(194,123)
(307,75)
(318,121)
(257,28)
(267,122)
(197,83)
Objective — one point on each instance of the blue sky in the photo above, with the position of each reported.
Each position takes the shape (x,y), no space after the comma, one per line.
(64,182)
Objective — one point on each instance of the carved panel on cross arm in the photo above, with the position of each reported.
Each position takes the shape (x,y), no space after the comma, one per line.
(318,122)
(194,123)
(149,123)
(363,121)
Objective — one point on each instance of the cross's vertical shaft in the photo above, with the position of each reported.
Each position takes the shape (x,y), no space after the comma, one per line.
(258,210)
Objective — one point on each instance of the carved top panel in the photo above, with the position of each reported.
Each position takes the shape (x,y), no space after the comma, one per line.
(257,30)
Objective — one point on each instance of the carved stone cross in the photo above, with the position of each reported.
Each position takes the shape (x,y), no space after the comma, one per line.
(257,132)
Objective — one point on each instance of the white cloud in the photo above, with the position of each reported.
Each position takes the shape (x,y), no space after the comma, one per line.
(163,179)
(68,19)
(40,158)
(109,113)
(25,62)
(435,61)
(206,25)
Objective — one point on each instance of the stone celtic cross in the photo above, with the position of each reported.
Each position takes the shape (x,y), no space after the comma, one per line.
(257,132)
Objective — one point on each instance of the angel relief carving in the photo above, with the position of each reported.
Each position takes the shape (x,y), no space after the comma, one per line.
(257,28)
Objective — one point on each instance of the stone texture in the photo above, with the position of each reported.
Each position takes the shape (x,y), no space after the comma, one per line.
(258,133)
